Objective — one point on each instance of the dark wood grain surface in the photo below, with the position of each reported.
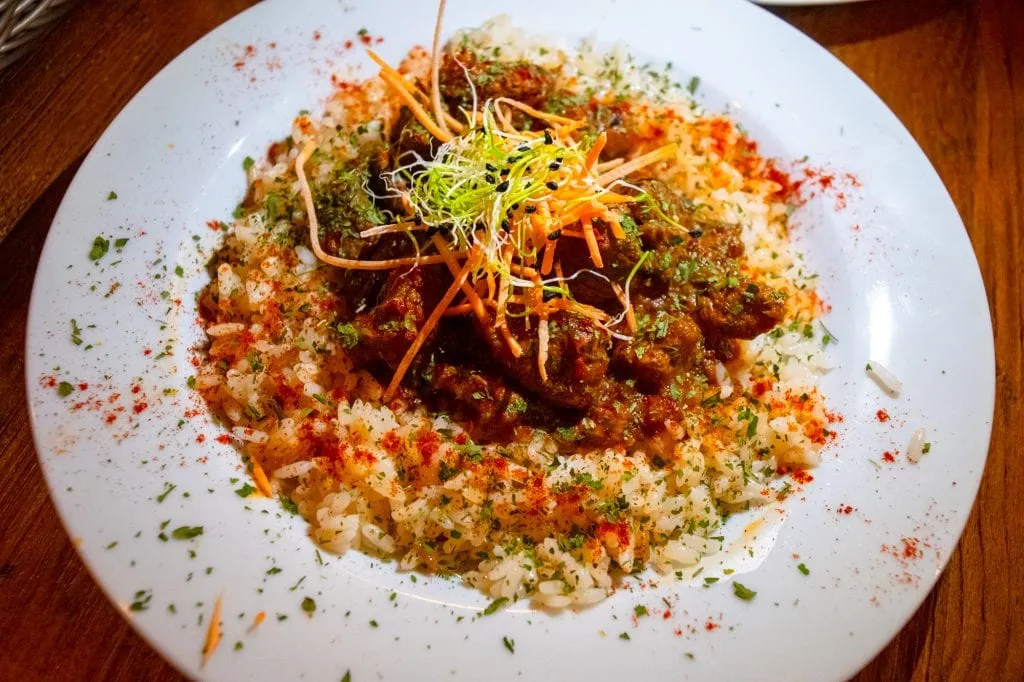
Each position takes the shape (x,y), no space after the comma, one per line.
(952,70)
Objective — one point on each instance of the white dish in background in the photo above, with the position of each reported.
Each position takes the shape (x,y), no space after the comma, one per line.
(895,264)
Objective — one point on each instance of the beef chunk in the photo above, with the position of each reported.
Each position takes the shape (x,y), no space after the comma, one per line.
(386,331)
(489,408)
(577,359)
(742,311)
(344,208)
(519,80)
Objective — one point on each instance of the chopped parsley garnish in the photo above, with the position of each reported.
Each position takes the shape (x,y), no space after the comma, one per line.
(186,532)
(65,389)
(710,580)
(640,610)
(288,504)
(803,569)
(510,644)
(111,196)
(374,624)
(349,335)
(347,677)
(167,491)
(625,636)
(141,600)
(926,448)
(309,606)
(247,163)
(742,591)
(494,606)
(692,86)
(245,491)
(273,570)
(76,333)
(100,246)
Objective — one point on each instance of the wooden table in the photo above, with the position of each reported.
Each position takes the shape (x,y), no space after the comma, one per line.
(952,70)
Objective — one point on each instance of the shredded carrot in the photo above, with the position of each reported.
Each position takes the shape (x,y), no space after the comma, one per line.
(431,322)
(608,165)
(636,164)
(542,348)
(256,621)
(418,111)
(262,483)
(613,198)
(588,235)
(467,288)
(513,344)
(549,257)
(630,316)
(536,113)
(595,151)
(213,631)
(616,226)
(399,79)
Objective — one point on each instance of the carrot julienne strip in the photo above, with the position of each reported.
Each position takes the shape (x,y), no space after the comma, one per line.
(260,477)
(588,235)
(452,122)
(431,322)
(595,151)
(256,621)
(636,164)
(467,288)
(213,632)
(417,109)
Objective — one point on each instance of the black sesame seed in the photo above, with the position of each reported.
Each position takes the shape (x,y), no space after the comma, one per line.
(551,185)
(523,148)
(417,220)
(490,167)
(547,137)
(528,169)
(489,178)
(513,206)
(505,225)
(513,159)
(502,187)
(555,234)
(558,159)
(530,209)
(554,165)
(615,122)
(697,232)
(504,172)
(432,230)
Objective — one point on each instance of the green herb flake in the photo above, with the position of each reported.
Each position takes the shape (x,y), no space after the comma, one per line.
(640,610)
(692,86)
(245,491)
(76,333)
(111,195)
(247,163)
(625,636)
(349,335)
(510,644)
(494,606)
(742,591)
(803,569)
(186,532)
(347,677)
(65,389)
(710,580)
(100,246)
(168,487)
(374,624)
(309,606)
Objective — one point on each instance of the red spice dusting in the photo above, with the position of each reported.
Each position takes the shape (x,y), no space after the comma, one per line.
(50,382)
(316,35)
(136,388)
(761,387)
(215,225)
(148,351)
(223,438)
(428,442)
(365,456)
(391,443)
(910,549)
(711,625)
(666,615)
(366,39)
(272,45)
(83,387)
(461,439)
(844,509)
(348,44)
(200,438)
(888,456)
(801,476)
(110,418)
(882,416)
(140,406)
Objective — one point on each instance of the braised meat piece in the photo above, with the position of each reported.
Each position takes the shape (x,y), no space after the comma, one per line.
(577,359)
(518,80)
(385,331)
(489,408)
(741,312)
(344,208)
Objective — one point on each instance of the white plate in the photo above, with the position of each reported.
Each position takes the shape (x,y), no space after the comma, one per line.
(904,287)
